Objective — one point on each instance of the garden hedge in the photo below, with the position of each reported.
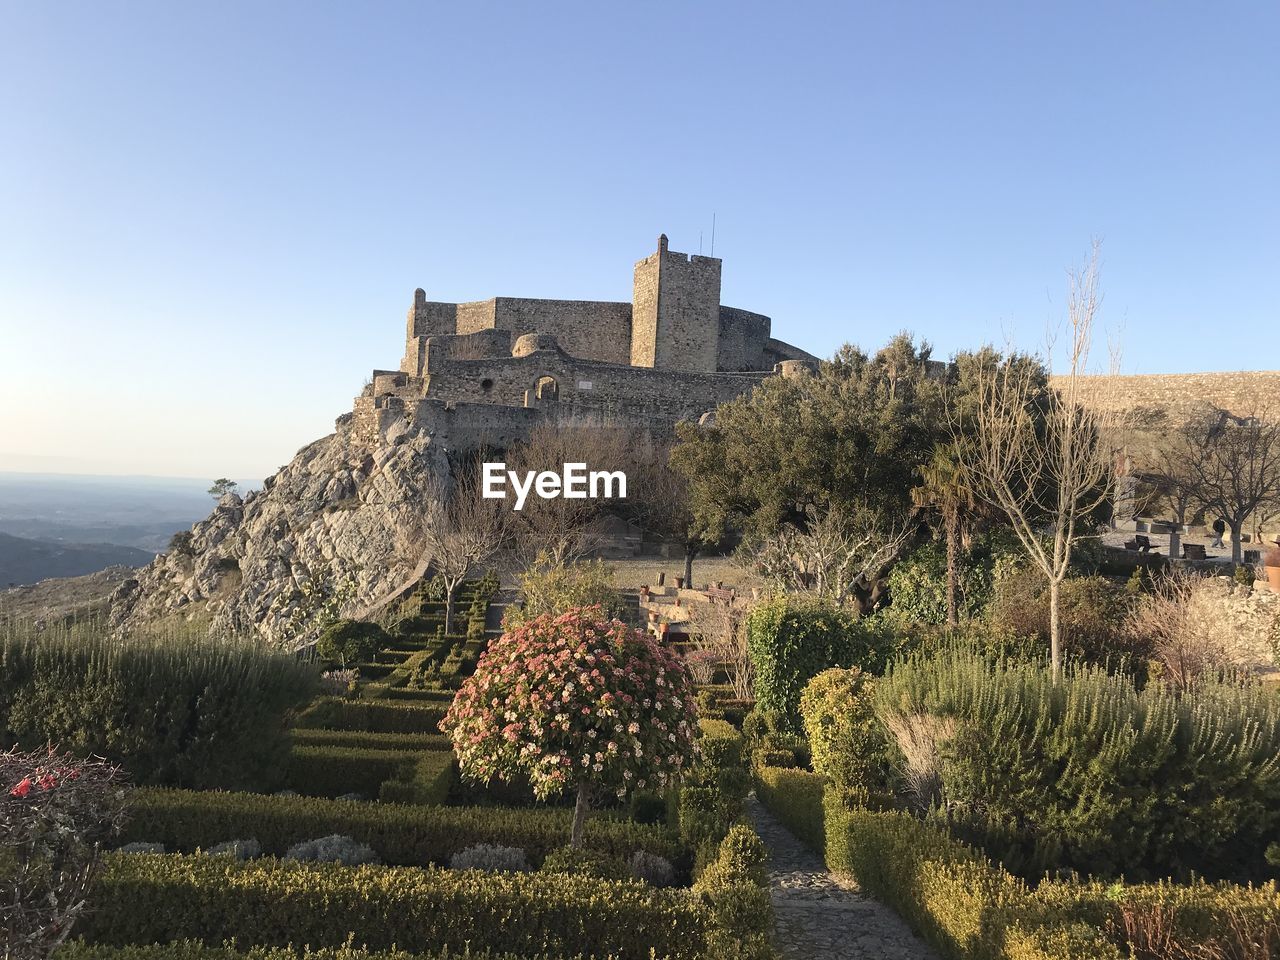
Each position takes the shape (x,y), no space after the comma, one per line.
(375,716)
(424,781)
(157,898)
(319,737)
(793,639)
(398,833)
(795,797)
(970,908)
(331,771)
(197,950)
(181,709)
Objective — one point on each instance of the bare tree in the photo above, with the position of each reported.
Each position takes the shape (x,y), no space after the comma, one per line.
(840,554)
(459,531)
(1045,461)
(561,526)
(1233,466)
(1176,488)
(720,627)
(660,505)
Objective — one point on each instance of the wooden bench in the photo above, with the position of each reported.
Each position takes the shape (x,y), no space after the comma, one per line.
(1193,551)
(1142,543)
(719,593)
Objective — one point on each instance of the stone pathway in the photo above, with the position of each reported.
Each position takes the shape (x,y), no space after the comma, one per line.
(821,917)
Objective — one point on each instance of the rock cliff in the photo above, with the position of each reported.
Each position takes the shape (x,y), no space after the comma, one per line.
(332,531)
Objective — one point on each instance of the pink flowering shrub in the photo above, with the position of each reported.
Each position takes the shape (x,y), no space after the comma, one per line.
(55,812)
(577,702)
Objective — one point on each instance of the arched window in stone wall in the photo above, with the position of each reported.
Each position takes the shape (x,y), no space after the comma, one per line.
(547,389)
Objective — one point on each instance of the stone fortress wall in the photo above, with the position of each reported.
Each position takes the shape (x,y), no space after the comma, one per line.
(494,368)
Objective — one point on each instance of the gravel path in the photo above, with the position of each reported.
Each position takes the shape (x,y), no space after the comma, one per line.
(820,916)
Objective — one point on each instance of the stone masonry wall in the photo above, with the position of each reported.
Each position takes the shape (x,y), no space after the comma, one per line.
(592,330)
(644,311)
(586,384)
(743,338)
(1171,399)
(676,311)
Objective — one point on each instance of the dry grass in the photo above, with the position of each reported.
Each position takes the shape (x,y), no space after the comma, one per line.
(633,573)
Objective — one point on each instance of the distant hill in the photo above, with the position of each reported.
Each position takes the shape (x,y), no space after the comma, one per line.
(24,561)
(71,597)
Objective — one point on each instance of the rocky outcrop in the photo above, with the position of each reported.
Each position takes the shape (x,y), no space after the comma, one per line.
(329,533)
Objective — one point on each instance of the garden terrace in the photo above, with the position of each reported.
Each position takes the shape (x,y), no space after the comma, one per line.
(381,741)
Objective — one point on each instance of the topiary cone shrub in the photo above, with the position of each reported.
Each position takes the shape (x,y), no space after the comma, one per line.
(575,702)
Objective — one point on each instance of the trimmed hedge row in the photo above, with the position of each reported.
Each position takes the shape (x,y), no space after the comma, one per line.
(425,781)
(795,797)
(444,697)
(971,908)
(331,771)
(375,716)
(196,950)
(157,898)
(399,834)
(720,743)
(318,737)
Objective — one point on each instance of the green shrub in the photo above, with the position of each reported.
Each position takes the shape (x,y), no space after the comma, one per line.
(155,897)
(400,834)
(375,716)
(969,908)
(795,798)
(1093,611)
(363,739)
(181,709)
(424,781)
(918,585)
(947,892)
(733,886)
(1093,773)
(847,741)
(352,641)
(548,586)
(196,950)
(720,744)
(792,639)
(583,862)
(330,771)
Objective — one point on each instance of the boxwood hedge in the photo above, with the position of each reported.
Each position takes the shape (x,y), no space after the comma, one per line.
(376,716)
(399,833)
(145,898)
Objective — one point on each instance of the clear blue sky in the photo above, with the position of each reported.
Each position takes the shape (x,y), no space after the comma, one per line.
(213,216)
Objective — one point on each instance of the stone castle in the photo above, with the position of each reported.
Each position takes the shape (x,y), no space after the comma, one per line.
(487,372)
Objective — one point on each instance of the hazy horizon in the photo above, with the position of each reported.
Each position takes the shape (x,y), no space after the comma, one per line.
(216,216)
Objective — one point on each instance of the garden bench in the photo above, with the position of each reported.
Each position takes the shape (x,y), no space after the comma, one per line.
(1143,543)
(720,593)
(1193,551)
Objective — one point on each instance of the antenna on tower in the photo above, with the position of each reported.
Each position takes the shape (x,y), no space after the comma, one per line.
(713,233)
(699,243)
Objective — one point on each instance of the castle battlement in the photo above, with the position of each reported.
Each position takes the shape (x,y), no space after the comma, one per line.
(673,353)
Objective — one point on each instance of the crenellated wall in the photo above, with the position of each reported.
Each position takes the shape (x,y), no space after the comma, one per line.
(673,353)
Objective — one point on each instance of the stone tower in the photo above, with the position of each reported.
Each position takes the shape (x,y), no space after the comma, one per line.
(675,311)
